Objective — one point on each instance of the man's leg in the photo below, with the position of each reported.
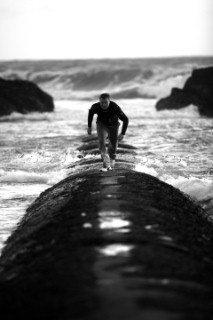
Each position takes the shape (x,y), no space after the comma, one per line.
(113,141)
(102,134)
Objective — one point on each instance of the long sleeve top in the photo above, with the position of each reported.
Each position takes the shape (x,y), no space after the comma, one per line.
(109,117)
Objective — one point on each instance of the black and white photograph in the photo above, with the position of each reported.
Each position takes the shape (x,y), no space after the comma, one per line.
(106,160)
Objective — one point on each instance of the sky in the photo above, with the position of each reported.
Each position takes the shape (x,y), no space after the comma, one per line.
(79,29)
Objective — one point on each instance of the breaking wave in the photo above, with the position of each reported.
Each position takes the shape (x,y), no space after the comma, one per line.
(123,78)
(21,176)
(199,189)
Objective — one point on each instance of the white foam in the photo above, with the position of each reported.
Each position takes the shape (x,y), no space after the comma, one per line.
(32,116)
(190,111)
(56,176)
(162,87)
(145,169)
(20,176)
(199,189)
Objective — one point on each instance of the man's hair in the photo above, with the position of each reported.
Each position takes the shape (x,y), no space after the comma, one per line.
(104,96)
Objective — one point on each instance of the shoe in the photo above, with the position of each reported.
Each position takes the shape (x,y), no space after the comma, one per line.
(105,169)
(112,164)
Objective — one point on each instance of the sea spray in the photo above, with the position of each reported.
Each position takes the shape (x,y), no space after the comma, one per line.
(37,149)
(124,78)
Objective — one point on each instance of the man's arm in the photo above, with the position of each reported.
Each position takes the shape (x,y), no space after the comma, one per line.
(121,115)
(90,118)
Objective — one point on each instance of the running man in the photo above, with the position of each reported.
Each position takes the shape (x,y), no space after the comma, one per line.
(107,125)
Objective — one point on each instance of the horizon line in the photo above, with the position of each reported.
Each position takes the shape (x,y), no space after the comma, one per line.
(106,58)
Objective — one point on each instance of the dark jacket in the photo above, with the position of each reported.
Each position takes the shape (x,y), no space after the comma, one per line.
(109,117)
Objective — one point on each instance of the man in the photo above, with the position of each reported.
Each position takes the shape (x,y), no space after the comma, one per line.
(107,125)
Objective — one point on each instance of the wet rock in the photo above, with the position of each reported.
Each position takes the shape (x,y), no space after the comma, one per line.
(24,97)
(198,90)
(90,147)
(93,145)
(115,245)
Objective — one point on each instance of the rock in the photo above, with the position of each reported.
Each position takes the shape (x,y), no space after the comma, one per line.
(23,96)
(198,90)
(121,244)
(114,245)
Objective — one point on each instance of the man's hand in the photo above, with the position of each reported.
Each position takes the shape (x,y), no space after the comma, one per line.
(89,130)
(120,137)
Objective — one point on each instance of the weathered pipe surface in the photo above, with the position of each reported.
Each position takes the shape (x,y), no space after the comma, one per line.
(115,245)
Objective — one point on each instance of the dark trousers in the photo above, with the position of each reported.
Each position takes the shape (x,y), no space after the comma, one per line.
(112,132)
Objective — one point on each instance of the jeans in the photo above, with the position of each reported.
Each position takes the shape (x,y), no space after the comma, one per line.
(112,132)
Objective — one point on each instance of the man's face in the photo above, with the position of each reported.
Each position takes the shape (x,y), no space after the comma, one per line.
(104,103)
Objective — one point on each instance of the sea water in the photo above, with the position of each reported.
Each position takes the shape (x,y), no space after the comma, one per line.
(36,149)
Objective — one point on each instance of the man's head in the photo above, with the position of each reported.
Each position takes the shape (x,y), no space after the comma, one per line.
(104,100)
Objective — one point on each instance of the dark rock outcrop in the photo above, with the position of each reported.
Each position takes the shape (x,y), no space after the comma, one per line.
(198,90)
(23,96)
(115,245)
